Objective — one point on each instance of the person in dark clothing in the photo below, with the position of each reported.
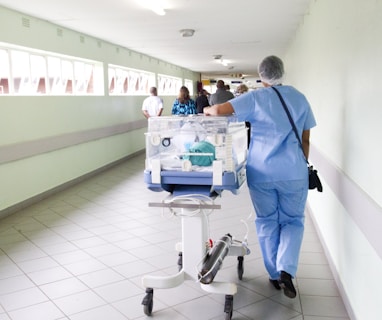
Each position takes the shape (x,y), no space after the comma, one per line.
(221,95)
(201,101)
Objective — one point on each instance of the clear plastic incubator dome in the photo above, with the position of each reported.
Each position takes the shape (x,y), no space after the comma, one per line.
(206,151)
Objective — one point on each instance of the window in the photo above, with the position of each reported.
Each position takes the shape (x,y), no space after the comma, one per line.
(20,72)
(4,72)
(190,86)
(31,72)
(38,71)
(126,81)
(83,78)
(168,85)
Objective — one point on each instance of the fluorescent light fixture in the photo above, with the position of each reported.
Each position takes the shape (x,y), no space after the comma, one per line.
(153,5)
(219,59)
(158,10)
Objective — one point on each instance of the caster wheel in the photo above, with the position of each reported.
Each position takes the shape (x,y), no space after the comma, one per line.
(228,307)
(148,309)
(180,261)
(228,316)
(148,302)
(240,267)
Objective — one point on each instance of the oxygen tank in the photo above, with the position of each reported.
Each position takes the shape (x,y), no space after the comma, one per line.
(214,259)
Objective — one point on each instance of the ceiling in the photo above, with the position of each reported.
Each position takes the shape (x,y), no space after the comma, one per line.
(242,32)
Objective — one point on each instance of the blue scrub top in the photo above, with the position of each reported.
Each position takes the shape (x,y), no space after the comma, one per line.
(274,153)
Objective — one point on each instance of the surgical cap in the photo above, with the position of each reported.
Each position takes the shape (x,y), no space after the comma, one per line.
(271,70)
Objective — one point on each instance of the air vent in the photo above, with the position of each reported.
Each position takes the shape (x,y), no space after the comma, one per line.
(59,32)
(26,22)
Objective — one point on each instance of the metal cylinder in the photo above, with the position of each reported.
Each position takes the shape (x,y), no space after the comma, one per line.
(214,259)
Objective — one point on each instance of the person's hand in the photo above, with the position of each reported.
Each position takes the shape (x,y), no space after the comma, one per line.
(207,111)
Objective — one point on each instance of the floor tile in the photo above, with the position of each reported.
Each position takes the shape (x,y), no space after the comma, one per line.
(22,298)
(79,302)
(41,311)
(323,306)
(63,288)
(99,313)
(268,310)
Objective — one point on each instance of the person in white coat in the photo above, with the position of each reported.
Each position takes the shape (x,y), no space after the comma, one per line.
(153,105)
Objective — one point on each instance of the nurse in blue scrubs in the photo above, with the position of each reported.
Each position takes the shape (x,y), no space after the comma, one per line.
(277,173)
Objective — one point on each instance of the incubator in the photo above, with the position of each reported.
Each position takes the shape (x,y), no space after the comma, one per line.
(195,158)
(204,151)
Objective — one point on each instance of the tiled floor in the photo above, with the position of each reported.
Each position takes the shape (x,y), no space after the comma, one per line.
(81,255)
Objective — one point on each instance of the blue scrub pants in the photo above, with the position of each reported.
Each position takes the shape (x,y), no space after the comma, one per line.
(280,208)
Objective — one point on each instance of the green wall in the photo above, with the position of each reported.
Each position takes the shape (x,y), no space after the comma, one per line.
(48,141)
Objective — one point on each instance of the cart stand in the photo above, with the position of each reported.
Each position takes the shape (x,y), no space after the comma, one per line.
(193,250)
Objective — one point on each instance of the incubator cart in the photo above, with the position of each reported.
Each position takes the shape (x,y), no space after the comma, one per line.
(194,159)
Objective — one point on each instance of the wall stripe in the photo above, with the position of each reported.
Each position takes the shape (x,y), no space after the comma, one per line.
(366,213)
(28,149)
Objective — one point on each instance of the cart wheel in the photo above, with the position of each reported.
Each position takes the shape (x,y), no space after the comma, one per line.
(148,302)
(240,267)
(228,307)
(228,316)
(180,261)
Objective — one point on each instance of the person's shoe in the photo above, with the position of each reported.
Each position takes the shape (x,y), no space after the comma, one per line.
(286,284)
(275,283)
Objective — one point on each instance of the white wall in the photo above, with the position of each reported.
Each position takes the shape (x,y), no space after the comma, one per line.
(64,138)
(335,59)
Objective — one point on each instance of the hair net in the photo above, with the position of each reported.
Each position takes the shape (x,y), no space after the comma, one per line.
(271,70)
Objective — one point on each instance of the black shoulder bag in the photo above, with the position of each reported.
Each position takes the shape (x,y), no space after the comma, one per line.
(314,180)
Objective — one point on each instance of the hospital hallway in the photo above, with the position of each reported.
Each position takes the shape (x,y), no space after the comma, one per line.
(81,254)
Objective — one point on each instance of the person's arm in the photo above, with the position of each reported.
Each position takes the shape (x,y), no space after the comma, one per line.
(219,109)
(160,112)
(306,143)
(146,114)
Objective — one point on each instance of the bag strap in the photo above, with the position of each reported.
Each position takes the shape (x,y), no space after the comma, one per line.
(290,120)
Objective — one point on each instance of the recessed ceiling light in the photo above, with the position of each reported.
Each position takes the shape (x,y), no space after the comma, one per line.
(187,32)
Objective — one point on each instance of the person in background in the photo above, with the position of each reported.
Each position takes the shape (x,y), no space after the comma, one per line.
(221,95)
(153,105)
(277,173)
(201,101)
(242,88)
(183,105)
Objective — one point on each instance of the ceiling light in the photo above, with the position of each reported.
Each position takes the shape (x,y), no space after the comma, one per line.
(153,5)
(187,32)
(217,56)
(158,10)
